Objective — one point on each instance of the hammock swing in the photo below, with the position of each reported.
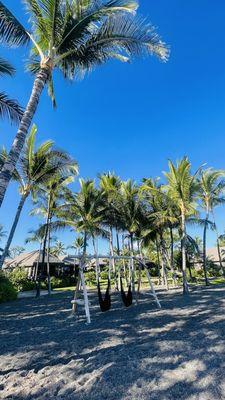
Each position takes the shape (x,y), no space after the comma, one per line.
(127,298)
(105,303)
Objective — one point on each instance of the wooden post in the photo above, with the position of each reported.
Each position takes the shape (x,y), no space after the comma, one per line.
(85,293)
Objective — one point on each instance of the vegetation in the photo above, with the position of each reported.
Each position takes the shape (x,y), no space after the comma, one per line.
(7,290)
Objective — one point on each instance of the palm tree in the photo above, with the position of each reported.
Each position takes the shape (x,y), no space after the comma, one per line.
(132,216)
(212,189)
(182,189)
(58,249)
(50,196)
(37,166)
(73,36)
(77,244)
(9,108)
(110,186)
(162,219)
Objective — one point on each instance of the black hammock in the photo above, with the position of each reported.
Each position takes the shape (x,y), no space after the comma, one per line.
(105,304)
(127,298)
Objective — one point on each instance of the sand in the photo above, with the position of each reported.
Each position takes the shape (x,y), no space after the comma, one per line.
(140,353)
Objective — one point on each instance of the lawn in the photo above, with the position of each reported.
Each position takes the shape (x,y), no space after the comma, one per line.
(125,354)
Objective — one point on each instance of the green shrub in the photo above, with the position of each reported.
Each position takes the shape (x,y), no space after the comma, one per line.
(61,282)
(18,277)
(7,290)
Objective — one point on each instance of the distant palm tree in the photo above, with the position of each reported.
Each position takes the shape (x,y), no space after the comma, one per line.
(50,195)
(73,36)
(212,194)
(110,187)
(58,249)
(77,244)
(9,108)
(183,189)
(37,166)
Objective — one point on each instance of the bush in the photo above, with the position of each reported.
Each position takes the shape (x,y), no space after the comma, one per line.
(7,290)
(60,282)
(18,277)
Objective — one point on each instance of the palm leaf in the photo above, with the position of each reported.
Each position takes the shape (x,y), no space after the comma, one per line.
(10,109)
(11,30)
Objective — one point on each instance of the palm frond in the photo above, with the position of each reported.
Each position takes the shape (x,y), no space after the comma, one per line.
(11,30)
(6,68)
(10,109)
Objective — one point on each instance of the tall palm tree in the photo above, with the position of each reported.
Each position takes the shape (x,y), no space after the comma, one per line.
(37,166)
(182,189)
(212,189)
(9,108)
(73,36)
(110,187)
(132,216)
(50,196)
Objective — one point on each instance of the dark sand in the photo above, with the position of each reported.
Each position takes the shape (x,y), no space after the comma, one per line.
(139,353)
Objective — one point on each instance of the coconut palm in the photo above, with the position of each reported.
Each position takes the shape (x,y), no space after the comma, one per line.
(37,166)
(182,189)
(73,37)
(77,244)
(110,186)
(50,195)
(212,189)
(58,249)
(9,108)
(162,218)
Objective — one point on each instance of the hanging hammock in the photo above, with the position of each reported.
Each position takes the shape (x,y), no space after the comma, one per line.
(105,304)
(126,298)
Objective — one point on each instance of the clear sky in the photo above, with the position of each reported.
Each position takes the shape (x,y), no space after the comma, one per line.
(130,118)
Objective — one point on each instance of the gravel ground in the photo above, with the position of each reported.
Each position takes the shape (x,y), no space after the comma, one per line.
(139,353)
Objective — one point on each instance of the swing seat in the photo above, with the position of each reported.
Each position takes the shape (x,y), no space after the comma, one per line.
(79,302)
(126,298)
(105,304)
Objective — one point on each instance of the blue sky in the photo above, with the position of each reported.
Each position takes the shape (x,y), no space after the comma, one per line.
(131,118)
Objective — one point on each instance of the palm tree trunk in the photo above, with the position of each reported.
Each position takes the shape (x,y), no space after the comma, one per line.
(44,249)
(132,262)
(97,267)
(18,143)
(85,293)
(164,270)
(204,248)
(48,254)
(218,246)
(13,228)
(158,255)
(172,255)
(183,252)
(112,261)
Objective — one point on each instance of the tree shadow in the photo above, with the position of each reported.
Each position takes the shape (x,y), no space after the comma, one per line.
(135,353)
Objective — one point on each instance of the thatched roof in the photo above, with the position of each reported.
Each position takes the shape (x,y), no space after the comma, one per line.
(28,260)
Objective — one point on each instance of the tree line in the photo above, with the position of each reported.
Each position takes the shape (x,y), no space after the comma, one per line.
(154,212)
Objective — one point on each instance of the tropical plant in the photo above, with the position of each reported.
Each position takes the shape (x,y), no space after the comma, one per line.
(182,188)
(58,249)
(9,108)
(7,290)
(73,36)
(50,195)
(212,188)
(37,166)
(77,244)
